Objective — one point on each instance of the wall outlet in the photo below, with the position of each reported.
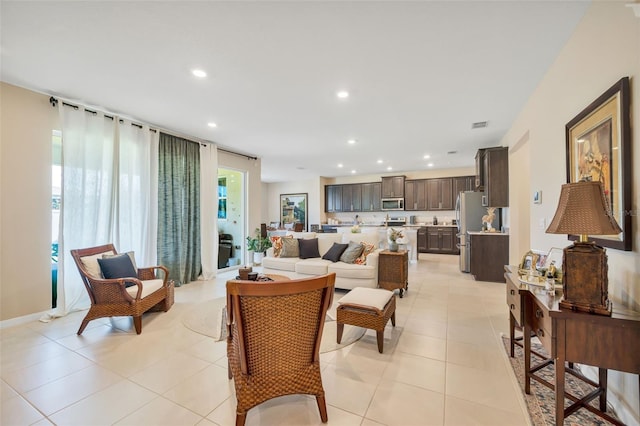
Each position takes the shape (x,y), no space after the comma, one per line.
(542,224)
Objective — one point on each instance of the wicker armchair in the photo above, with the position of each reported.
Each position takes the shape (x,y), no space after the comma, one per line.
(282,358)
(111,297)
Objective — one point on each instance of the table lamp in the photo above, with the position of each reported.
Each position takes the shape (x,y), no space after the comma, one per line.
(584,210)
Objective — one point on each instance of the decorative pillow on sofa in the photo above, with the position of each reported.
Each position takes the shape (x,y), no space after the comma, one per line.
(334,253)
(276,243)
(118,267)
(366,251)
(352,252)
(290,248)
(308,248)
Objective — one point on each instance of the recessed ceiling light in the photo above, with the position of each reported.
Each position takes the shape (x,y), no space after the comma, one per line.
(340,165)
(389,168)
(342,94)
(199,73)
(353,172)
(426,157)
(351,141)
(379,161)
(212,124)
(430,165)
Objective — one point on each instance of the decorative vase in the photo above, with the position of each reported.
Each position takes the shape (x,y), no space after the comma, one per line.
(393,246)
(257,258)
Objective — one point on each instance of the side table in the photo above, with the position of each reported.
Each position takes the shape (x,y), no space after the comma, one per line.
(393,270)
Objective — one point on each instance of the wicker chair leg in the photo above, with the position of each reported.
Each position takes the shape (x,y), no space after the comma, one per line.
(380,337)
(322,406)
(137,322)
(84,324)
(339,332)
(240,419)
(229,372)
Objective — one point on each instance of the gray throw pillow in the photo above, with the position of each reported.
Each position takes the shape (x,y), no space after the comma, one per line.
(290,248)
(352,252)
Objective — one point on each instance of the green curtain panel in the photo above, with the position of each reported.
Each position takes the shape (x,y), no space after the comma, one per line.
(179,208)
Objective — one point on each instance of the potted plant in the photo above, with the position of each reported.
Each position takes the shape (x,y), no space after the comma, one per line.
(258,246)
(393,235)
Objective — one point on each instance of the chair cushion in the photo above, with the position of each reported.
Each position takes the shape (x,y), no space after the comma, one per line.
(313,266)
(290,248)
(118,267)
(148,287)
(352,252)
(335,252)
(351,270)
(90,263)
(374,297)
(308,248)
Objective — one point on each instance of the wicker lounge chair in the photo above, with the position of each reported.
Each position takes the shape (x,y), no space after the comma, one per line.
(273,344)
(111,297)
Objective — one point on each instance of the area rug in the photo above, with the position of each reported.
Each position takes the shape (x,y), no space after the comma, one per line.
(208,318)
(541,401)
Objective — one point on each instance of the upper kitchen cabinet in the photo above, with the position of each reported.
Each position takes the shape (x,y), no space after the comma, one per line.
(352,198)
(496,177)
(463,183)
(440,194)
(393,187)
(415,195)
(371,194)
(333,198)
(480,170)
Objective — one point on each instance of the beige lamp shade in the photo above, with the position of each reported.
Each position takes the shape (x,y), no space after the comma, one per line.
(583,210)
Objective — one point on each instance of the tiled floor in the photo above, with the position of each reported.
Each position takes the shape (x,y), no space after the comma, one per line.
(443,365)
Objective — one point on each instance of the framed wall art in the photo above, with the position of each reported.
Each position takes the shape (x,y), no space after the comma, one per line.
(599,149)
(293,209)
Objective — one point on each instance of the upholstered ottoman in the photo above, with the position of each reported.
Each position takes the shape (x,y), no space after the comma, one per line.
(369,308)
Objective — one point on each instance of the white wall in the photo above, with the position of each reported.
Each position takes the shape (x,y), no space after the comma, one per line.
(27,121)
(604,48)
(315,198)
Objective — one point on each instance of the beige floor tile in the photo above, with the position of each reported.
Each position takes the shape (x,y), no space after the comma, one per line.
(70,389)
(481,357)
(418,371)
(161,411)
(206,422)
(6,391)
(459,412)
(105,407)
(16,411)
(208,350)
(25,357)
(369,422)
(425,346)
(400,404)
(89,336)
(167,373)
(202,392)
(348,394)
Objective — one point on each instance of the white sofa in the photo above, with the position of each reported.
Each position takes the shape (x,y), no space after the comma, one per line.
(348,275)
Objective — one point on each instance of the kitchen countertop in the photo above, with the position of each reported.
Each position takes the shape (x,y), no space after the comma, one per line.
(486,233)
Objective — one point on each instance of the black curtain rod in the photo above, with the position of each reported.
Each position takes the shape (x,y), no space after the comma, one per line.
(53,101)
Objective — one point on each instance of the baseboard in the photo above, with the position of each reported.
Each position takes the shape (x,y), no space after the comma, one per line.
(12,322)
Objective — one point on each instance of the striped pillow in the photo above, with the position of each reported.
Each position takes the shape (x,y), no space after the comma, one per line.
(368,249)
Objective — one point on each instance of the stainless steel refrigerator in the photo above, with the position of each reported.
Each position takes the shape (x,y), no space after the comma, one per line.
(469,212)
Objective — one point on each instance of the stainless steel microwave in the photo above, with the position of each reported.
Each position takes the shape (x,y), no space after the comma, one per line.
(392,204)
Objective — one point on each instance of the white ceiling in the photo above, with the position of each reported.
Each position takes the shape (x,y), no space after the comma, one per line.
(419,73)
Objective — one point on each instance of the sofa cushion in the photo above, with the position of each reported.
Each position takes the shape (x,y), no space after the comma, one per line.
(325,242)
(148,287)
(349,270)
(290,248)
(335,252)
(351,253)
(367,249)
(308,248)
(280,263)
(131,255)
(301,235)
(314,266)
(369,237)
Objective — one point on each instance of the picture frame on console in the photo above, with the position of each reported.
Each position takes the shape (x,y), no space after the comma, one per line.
(293,209)
(598,143)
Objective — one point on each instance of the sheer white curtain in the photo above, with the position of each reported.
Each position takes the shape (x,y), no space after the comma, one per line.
(88,194)
(136,219)
(209,210)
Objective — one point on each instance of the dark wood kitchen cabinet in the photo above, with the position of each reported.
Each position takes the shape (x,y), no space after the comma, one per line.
(352,198)
(371,194)
(496,177)
(393,187)
(440,194)
(333,198)
(489,254)
(480,170)
(422,240)
(441,240)
(415,195)
(461,184)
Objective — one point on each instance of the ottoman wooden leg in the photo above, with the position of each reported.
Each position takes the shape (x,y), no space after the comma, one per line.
(380,337)
(340,330)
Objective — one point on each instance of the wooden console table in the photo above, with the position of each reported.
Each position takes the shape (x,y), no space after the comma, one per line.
(393,270)
(572,337)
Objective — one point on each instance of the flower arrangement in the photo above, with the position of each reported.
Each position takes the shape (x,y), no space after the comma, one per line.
(488,218)
(394,234)
(355,229)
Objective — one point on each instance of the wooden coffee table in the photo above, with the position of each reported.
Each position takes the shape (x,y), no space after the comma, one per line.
(277,277)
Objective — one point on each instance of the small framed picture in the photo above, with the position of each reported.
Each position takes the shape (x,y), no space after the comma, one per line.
(537,197)
(529,263)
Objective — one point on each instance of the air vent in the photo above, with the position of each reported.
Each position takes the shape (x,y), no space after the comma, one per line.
(452,152)
(479,124)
